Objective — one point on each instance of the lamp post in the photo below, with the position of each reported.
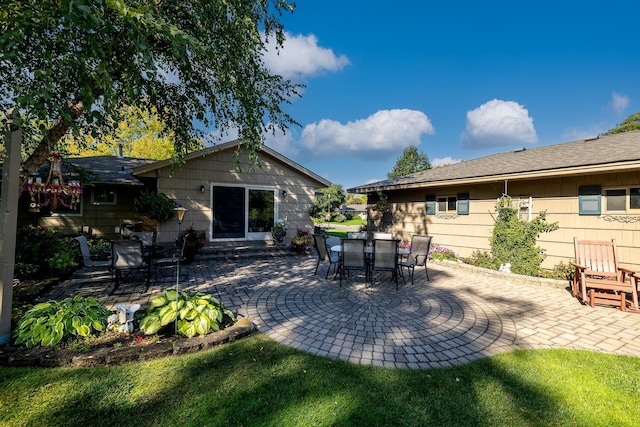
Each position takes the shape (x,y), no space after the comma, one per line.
(180,211)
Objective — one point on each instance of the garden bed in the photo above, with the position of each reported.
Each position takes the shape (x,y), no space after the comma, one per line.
(117,348)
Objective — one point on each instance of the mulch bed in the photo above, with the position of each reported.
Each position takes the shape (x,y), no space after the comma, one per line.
(111,348)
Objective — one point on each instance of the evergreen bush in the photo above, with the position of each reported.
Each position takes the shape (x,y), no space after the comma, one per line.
(514,241)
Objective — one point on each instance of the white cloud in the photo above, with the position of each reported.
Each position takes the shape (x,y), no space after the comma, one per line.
(300,56)
(498,123)
(619,102)
(377,136)
(281,142)
(444,161)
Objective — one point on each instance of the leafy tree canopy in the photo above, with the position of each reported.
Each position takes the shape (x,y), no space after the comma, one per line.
(73,64)
(411,161)
(328,200)
(629,124)
(356,199)
(141,134)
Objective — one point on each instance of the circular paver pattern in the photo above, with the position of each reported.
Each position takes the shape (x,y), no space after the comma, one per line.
(415,326)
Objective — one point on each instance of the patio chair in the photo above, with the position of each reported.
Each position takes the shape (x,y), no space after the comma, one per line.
(127,256)
(89,260)
(147,237)
(379,235)
(598,278)
(353,257)
(418,256)
(170,259)
(324,255)
(385,258)
(356,234)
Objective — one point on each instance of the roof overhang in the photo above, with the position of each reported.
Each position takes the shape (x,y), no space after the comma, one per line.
(518,176)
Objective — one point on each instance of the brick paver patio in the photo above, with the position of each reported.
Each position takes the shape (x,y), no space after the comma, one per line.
(457,317)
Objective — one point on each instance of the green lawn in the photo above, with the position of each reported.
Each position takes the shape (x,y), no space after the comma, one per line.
(256,381)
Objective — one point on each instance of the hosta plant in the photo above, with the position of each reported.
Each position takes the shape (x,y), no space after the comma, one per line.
(48,323)
(196,313)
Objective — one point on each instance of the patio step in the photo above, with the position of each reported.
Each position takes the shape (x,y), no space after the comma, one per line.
(244,250)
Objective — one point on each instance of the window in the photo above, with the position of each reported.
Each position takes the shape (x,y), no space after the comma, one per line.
(104,196)
(447,204)
(622,199)
(616,199)
(523,205)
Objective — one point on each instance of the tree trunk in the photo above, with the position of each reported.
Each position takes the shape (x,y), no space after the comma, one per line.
(50,140)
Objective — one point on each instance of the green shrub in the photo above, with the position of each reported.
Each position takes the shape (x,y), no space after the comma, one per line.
(98,245)
(41,252)
(156,206)
(195,312)
(514,241)
(441,253)
(339,218)
(481,259)
(49,323)
(560,271)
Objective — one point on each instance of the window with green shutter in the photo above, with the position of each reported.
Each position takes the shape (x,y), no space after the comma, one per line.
(589,199)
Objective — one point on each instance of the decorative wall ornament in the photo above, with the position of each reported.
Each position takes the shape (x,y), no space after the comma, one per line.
(621,218)
(447,216)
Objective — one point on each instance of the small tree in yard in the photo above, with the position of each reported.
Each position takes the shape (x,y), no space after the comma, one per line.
(514,240)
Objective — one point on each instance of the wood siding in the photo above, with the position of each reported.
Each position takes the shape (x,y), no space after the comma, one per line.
(183,185)
(558,197)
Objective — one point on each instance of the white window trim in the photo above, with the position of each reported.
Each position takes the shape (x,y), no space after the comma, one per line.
(248,236)
(627,199)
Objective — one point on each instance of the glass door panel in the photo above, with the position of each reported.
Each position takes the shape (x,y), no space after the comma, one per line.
(228,212)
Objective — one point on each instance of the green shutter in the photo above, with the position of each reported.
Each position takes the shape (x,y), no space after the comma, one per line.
(463,204)
(589,199)
(430,204)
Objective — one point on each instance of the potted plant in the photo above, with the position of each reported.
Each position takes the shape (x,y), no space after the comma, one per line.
(156,206)
(279,231)
(301,241)
(193,242)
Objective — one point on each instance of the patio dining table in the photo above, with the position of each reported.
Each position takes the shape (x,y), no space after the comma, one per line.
(403,252)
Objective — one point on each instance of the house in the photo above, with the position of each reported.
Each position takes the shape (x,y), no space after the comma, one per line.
(590,187)
(228,205)
(106,202)
(355,210)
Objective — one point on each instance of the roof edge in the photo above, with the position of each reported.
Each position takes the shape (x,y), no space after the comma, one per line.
(225,146)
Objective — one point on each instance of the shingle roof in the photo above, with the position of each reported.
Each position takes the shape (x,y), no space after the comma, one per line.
(608,152)
(233,145)
(112,170)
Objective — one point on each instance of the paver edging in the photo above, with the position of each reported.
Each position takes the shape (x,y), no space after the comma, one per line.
(514,278)
(49,357)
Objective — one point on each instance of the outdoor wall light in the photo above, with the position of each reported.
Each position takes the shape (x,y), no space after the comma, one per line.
(284,193)
(202,189)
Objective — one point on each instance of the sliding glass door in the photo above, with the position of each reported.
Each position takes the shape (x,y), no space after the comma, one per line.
(242,212)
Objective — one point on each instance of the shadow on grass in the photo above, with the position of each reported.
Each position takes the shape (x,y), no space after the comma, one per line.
(259,382)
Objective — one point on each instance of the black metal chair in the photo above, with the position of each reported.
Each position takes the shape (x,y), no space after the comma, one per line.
(324,255)
(385,258)
(419,254)
(127,256)
(353,257)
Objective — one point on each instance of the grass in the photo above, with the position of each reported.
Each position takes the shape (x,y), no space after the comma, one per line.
(256,381)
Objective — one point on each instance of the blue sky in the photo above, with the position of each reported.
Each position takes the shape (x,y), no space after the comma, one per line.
(460,80)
